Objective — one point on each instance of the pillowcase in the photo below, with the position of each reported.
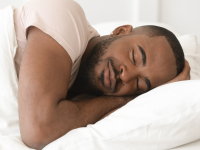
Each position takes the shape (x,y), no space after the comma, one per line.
(163,118)
(191,49)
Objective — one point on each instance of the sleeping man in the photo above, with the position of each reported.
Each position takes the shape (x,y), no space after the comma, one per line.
(54,39)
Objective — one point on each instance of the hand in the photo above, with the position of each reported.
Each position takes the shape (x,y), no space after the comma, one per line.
(184,75)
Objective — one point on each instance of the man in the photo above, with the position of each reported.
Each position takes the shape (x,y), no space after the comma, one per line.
(53,35)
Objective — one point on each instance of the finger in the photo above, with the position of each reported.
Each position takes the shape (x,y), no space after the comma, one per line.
(186,68)
(189,76)
(187,64)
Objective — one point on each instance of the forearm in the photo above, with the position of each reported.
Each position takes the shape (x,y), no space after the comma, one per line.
(88,111)
(91,110)
(68,115)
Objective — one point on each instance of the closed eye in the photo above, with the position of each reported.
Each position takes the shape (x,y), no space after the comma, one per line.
(133,57)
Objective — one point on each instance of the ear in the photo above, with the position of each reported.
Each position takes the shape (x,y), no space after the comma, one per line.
(122,30)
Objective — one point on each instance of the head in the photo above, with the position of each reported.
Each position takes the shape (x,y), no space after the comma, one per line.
(132,61)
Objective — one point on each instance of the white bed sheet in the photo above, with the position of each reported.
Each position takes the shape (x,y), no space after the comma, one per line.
(191,146)
(15,143)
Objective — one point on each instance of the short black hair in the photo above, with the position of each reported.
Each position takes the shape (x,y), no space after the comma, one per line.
(153,31)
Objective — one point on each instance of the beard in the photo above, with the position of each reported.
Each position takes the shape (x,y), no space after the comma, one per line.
(86,74)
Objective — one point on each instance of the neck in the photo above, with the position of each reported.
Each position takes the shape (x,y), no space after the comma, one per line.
(91,44)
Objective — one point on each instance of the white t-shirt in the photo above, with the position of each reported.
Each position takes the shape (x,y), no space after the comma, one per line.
(63,20)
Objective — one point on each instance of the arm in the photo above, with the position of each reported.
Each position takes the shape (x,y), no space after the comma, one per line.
(44,114)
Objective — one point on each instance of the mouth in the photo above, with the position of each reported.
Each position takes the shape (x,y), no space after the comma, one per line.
(109,77)
(107,81)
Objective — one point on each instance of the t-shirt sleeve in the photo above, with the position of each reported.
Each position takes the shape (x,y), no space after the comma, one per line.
(63,20)
(92,31)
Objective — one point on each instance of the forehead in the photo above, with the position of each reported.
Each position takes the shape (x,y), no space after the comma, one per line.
(141,39)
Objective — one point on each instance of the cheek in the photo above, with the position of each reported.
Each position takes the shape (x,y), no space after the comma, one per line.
(161,71)
(159,77)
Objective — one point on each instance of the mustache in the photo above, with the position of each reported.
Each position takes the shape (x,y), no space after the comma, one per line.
(117,73)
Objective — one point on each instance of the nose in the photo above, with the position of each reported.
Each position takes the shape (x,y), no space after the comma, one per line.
(128,74)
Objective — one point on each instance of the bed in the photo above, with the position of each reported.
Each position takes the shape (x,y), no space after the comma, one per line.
(167,117)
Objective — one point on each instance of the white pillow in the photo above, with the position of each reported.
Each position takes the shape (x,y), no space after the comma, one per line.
(163,118)
(9,121)
(191,49)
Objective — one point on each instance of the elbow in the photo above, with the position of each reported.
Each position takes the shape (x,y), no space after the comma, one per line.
(35,131)
(34,143)
(34,139)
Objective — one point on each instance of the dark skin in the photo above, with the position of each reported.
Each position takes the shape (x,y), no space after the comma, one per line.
(44,112)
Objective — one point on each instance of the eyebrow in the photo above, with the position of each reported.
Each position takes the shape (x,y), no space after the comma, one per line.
(143,55)
(148,84)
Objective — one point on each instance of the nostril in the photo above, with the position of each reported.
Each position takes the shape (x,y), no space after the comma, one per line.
(121,70)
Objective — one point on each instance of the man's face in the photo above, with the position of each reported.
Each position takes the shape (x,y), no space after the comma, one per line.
(133,65)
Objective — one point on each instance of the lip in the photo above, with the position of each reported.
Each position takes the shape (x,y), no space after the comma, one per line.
(112,77)
(107,81)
